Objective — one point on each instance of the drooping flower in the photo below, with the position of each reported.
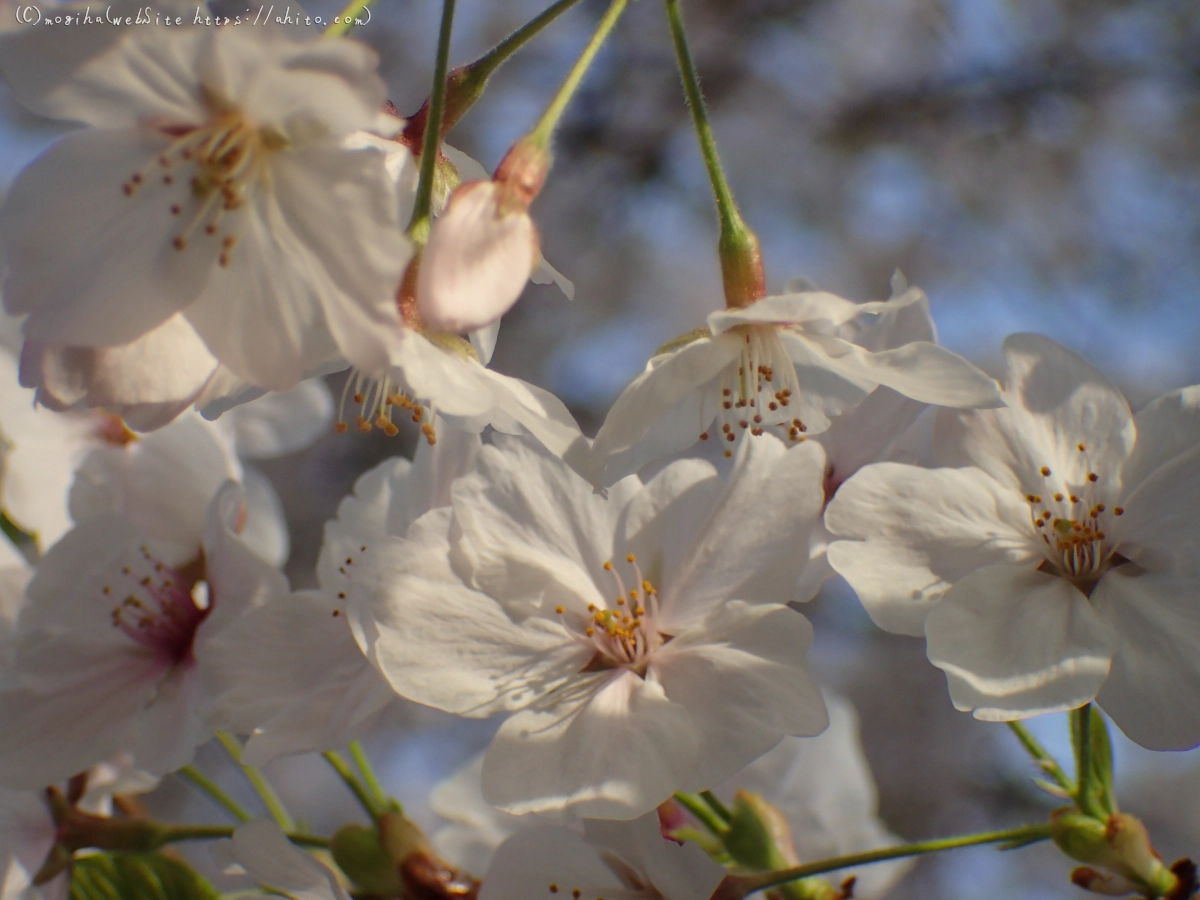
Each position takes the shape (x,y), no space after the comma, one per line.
(1057,563)
(782,365)
(105,650)
(610,859)
(640,641)
(212,184)
(290,673)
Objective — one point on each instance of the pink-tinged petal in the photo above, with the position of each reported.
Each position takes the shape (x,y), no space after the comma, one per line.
(915,532)
(668,380)
(610,745)
(1166,428)
(314,270)
(1056,401)
(93,265)
(148,382)
(920,370)
(1153,689)
(1015,642)
(477,261)
(528,863)
(741,675)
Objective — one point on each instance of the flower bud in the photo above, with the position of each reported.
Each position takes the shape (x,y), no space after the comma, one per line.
(358,852)
(1120,846)
(480,254)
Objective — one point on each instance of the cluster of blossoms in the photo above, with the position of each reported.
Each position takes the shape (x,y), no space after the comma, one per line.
(228,226)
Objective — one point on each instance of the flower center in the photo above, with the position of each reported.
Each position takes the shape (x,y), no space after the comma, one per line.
(376,399)
(207,172)
(1071,523)
(624,634)
(163,606)
(756,392)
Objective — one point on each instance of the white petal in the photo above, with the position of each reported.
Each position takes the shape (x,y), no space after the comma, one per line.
(148,381)
(279,424)
(1015,642)
(476,262)
(477,828)
(1153,689)
(101,270)
(484,663)
(1166,428)
(533,532)
(484,341)
(608,745)
(1056,401)
(162,482)
(920,370)
(537,411)
(677,872)
(291,673)
(265,529)
(547,274)
(315,269)
(1158,529)
(741,674)
(668,379)
(530,861)
(915,532)
(268,857)
(866,433)
(790,309)
(898,321)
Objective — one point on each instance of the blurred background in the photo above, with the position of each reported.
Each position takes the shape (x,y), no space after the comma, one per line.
(1032,164)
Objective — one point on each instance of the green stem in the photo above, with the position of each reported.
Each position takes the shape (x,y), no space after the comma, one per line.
(703,812)
(544,130)
(1085,775)
(346,18)
(173,834)
(368,774)
(741,258)
(421,221)
(351,781)
(1027,834)
(1045,761)
(215,792)
(260,784)
(716,805)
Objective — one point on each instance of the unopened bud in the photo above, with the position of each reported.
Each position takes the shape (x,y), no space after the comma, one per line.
(1120,846)
(479,256)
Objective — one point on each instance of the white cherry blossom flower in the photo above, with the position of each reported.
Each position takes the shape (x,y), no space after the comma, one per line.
(212,184)
(640,641)
(290,673)
(27,834)
(784,365)
(106,648)
(823,787)
(610,859)
(1057,564)
(474,828)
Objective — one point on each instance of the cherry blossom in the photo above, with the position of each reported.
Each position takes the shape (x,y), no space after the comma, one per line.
(262,851)
(290,673)
(610,859)
(505,603)
(1055,564)
(106,648)
(783,365)
(213,185)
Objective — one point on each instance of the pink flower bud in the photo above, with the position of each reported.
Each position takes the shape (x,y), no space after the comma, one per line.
(481,252)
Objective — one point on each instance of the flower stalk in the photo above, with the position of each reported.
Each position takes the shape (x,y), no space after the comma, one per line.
(1009,838)
(343,770)
(422,214)
(738,246)
(215,792)
(1047,763)
(260,784)
(466,84)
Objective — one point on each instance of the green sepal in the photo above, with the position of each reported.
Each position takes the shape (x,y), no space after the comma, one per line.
(358,852)
(136,876)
